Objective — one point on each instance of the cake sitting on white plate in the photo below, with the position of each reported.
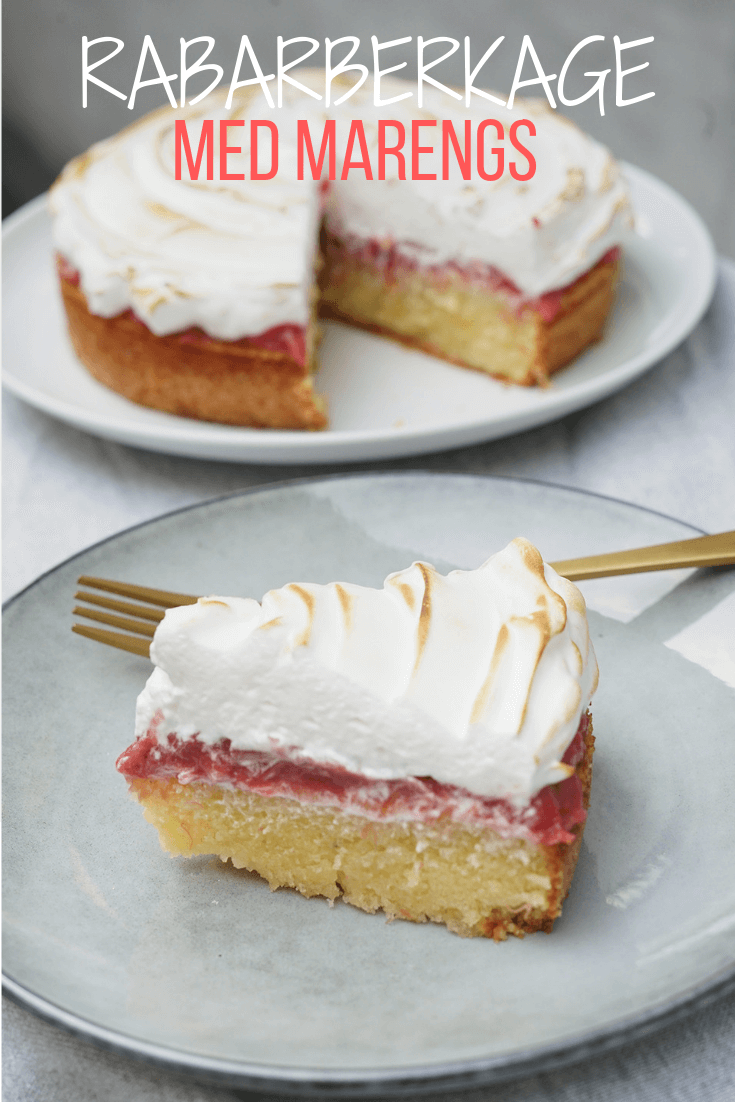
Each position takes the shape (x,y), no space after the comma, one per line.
(424,748)
(199,297)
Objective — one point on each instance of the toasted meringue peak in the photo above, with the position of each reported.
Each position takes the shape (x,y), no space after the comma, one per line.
(478,678)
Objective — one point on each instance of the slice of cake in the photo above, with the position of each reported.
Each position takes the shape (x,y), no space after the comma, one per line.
(198,297)
(194,297)
(424,748)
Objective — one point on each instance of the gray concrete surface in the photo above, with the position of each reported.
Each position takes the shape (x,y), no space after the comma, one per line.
(685,134)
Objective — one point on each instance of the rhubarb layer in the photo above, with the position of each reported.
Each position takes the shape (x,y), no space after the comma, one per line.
(550,818)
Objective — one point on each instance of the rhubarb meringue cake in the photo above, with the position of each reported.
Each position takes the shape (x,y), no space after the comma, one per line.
(198,296)
(424,748)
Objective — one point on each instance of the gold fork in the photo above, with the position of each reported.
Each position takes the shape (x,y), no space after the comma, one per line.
(140,619)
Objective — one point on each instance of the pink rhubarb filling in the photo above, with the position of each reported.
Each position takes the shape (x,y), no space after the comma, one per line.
(548,819)
(387,259)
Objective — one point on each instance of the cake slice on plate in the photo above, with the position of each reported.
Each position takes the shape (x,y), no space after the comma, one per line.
(424,748)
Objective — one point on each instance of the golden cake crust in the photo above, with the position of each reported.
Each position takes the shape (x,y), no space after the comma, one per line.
(227,382)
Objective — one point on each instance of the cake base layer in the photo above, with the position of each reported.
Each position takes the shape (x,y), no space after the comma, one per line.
(466,877)
(233,383)
(464,320)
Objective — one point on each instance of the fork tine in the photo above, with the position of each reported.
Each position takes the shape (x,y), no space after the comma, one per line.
(143,611)
(140,627)
(131,643)
(162,597)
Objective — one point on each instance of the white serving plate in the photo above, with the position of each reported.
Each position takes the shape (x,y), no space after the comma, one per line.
(202,969)
(385,400)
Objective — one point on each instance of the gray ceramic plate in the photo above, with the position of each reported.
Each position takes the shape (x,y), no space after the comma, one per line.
(198,967)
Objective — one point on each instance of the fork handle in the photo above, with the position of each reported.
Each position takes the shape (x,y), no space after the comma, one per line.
(718,550)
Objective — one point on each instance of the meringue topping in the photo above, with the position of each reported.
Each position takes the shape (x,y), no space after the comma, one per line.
(478,678)
(235,257)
